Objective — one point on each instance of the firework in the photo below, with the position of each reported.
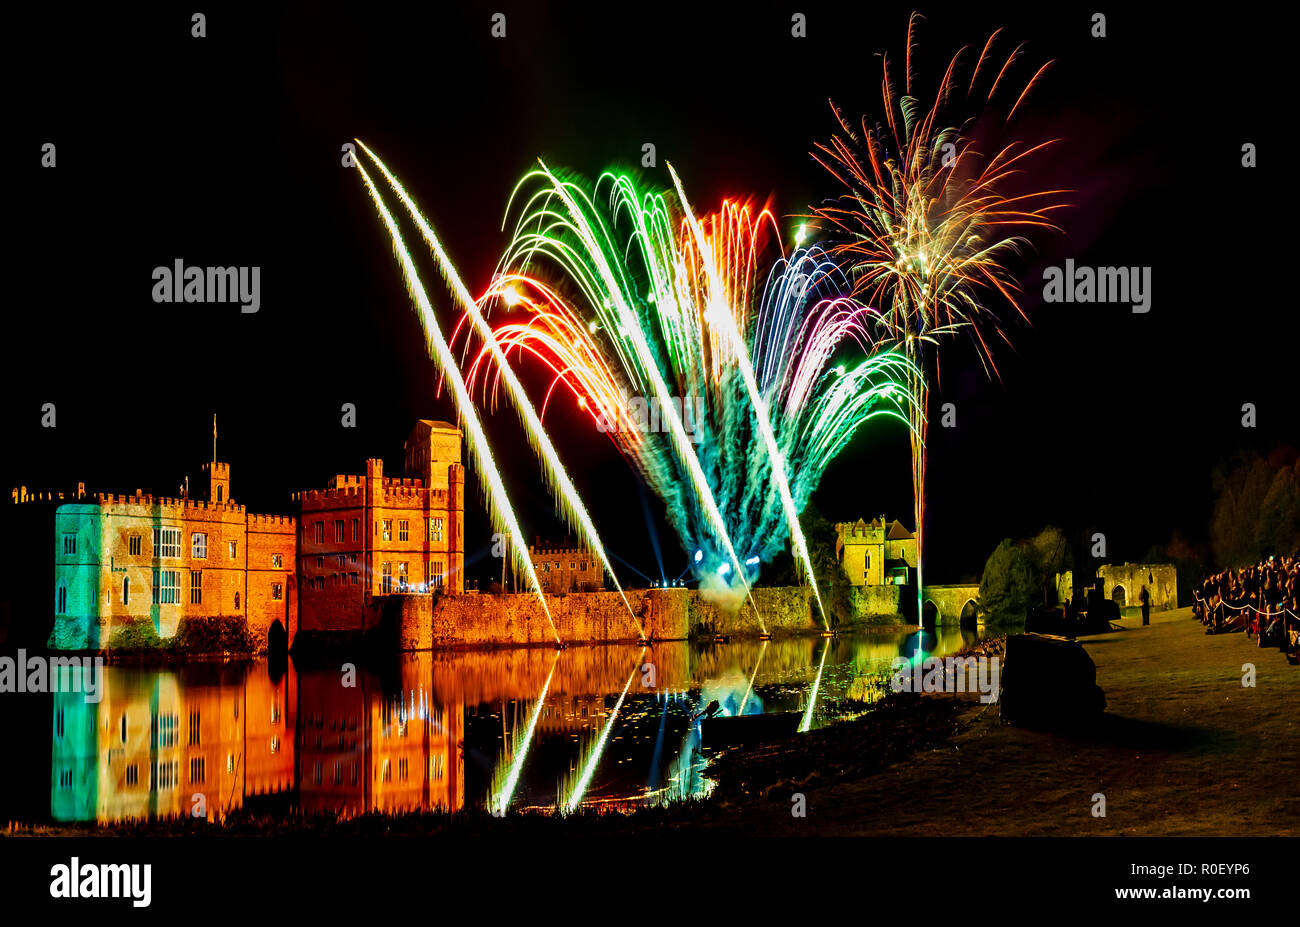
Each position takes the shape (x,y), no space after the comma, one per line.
(570,501)
(498,502)
(925,227)
(672,314)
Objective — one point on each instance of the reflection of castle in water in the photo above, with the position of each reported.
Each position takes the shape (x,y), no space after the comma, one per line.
(162,744)
(165,743)
(440,731)
(363,750)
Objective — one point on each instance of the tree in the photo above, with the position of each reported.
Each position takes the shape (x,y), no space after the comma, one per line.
(1256,509)
(1011,582)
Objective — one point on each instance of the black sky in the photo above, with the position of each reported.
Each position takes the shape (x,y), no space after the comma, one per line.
(226,150)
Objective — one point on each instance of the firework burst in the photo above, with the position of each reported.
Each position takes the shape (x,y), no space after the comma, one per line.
(925,226)
(689,325)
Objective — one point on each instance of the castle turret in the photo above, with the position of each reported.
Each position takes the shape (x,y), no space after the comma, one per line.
(218,482)
(432,449)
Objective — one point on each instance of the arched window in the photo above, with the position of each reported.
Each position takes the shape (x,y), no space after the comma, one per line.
(218,493)
(126,590)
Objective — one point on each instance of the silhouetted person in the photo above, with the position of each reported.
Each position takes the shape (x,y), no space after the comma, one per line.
(1146,606)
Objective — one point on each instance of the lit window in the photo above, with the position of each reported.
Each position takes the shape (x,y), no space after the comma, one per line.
(166,587)
(387,578)
(277,561)
(234,549)
(167,542)
(435,529)
(277,592)
(388,529)
(198,545)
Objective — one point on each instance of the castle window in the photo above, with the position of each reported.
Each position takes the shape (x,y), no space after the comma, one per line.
(126,590)
(584,566)
(167,542)
(435,529)
(166,587)
(437,574)
(234,550)
(386,583)
(320,532)
(69,545)
(403,530)
(218,492)
(199,545)
(401,577)
(277,561)
(356,529)
(195,717)
(196,587)
(277,592)
(133,545)
(197,771)
(62,600)
(338,531)
(388,529)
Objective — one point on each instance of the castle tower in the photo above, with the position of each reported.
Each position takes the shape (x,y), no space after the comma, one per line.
(432,449)
(218,482)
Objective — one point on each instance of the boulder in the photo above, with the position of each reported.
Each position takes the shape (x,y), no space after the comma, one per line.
(1049,682)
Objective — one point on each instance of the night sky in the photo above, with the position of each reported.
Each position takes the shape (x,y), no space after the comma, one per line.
(226,151)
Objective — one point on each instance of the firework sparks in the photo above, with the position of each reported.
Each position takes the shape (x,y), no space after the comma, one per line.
(925,227)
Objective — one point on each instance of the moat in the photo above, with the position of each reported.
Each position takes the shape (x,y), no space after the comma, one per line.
(529,729)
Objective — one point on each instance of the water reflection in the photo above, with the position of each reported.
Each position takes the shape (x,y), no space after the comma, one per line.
(613,727)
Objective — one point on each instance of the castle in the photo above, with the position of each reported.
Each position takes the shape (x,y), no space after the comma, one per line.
(130,556)
(876,553)
(122,560)
(565,568)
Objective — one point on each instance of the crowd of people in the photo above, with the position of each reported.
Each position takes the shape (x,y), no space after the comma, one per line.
(1262,600)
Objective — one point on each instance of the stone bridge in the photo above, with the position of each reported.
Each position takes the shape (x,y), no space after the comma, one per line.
(951,605)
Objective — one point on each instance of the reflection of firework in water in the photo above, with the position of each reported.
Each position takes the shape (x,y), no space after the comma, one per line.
(926,221)
(741,372)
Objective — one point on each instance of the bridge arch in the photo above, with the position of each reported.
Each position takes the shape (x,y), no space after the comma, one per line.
(1118,596)
(969,614)
(931,614)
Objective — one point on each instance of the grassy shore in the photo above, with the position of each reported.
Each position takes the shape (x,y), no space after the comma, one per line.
(1183,749)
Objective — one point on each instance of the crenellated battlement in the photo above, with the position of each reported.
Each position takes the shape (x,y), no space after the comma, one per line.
(267,522)
(185,507)
(21,494)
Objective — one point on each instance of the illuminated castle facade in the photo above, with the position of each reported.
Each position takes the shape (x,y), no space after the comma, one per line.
(123,558)
(124,561)
(563,568)
(876,553)
(371,535)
